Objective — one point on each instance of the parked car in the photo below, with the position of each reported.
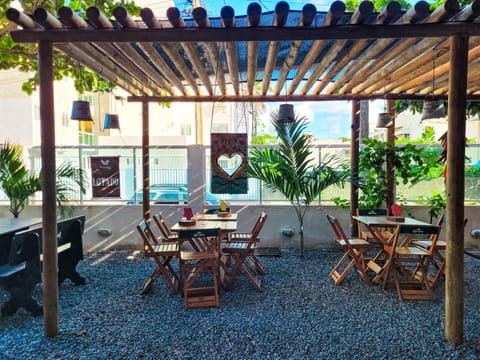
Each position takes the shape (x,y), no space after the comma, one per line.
(169,194)
(162,194)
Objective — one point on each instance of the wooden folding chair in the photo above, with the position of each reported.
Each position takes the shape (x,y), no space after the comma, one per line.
(167,235)
(198,290)
(162,253)
(438,257)
(408,265)
(353,257)
(241,257)
(365,234)
(238,237)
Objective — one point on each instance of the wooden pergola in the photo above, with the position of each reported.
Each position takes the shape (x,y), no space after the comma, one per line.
(303,55)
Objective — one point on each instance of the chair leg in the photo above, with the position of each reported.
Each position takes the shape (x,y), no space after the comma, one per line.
(151,279)
(339,275)
(249,270)
(235,266)
(165,269)
(259,266)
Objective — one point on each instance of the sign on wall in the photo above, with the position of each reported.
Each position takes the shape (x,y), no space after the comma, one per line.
(229,161)
(105,176)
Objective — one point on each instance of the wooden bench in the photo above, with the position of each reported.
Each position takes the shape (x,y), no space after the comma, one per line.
(22,270)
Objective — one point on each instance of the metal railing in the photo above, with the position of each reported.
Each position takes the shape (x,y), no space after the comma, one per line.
(169,166)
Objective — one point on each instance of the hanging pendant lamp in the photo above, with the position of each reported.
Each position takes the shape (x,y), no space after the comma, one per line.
(385,120)
(111,121)
(433,109)
(286,113)
(81,111)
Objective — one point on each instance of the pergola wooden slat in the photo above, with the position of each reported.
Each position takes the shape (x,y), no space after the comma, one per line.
(359,56)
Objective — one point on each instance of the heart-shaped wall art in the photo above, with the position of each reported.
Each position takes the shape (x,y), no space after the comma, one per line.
(232,165)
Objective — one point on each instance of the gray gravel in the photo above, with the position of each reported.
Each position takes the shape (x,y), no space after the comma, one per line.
(300,314)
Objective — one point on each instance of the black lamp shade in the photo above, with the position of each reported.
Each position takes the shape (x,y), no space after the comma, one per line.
(286,113)
(433,109)
(111,122)
(385,120)
(81,111)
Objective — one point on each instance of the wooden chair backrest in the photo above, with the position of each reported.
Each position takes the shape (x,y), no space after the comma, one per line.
(257,228)
(369,212)
(186,234)
(210,237)
(372,212)
(162,225)
(338,231)
(413,230)
(148,238)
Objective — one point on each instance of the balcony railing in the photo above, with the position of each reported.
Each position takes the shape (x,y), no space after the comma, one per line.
(169,166)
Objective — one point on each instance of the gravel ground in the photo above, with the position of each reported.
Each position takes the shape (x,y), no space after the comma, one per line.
(300,314)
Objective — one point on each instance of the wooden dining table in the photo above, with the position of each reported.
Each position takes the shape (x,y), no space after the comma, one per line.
(216,217)
(224,226)
(376,225)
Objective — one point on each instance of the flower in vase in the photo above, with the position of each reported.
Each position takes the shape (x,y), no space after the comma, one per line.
(188,213)
(396,210)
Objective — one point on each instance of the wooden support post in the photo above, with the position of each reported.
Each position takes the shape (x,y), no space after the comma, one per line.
(354,149)
(146,160)
(454,278)
(390,200)
(199,123)
(49,205)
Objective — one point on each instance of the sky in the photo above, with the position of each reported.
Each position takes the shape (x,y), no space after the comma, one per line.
(214,6)
(327,119)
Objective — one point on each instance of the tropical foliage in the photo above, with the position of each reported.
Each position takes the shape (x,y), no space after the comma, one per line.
(290,168)
(412,163)
(19,184)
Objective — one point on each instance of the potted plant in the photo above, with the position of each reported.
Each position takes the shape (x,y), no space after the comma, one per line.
(19,184)
(290,170)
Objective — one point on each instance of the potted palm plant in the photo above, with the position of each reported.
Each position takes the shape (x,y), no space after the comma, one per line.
(290,168)
(19,184)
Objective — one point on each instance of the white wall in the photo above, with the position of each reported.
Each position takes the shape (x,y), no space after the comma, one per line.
(123,219)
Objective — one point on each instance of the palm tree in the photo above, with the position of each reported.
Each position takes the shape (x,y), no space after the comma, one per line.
(289,168)
(19,184)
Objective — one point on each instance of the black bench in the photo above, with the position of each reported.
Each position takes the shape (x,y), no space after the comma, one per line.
(70,248)
(22,270)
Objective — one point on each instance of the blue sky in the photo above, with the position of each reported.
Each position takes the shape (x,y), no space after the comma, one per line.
(214,6)
(328,119)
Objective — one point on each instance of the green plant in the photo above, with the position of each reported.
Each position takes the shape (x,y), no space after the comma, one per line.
(412,164)
(19,184)
(289,168)
(437,202)
(23,57)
